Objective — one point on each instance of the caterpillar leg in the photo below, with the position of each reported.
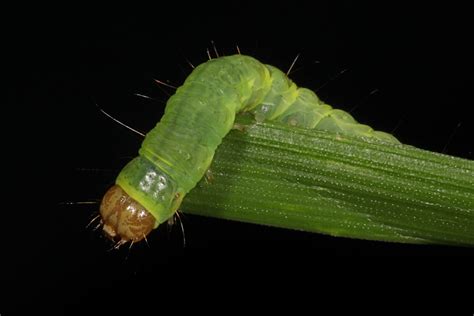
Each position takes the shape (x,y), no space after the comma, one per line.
(244,121)
(209,176)
(239,127)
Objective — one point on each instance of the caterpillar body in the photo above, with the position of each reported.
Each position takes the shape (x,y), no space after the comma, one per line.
(176,153)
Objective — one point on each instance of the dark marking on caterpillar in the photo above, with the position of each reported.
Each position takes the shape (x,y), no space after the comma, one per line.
(177,153)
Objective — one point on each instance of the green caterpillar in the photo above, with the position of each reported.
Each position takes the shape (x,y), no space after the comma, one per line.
(176,153)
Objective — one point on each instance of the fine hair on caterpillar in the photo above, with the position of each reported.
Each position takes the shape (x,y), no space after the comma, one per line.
(177,153)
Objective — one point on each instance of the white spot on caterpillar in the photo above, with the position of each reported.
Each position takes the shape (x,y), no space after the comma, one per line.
(148,180)
(154,184)
(184,154)
(264,108)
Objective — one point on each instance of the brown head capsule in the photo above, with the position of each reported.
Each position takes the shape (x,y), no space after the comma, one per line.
(124,218)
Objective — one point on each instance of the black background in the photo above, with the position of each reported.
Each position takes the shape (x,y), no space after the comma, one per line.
(418,59)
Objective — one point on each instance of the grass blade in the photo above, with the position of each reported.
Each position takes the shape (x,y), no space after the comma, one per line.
(315,181)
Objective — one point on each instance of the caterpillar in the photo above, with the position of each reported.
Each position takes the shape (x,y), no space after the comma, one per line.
(178,151)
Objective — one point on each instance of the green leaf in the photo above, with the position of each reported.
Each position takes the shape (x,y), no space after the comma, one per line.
(273,174)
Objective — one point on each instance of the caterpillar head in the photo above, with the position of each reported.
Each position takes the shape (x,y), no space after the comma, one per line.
(124,218)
